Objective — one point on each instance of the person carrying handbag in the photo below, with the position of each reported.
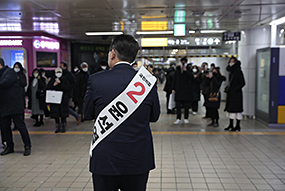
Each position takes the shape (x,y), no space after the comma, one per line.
(59,111)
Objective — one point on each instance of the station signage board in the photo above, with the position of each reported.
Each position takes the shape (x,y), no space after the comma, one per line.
(154,42)
(231,36)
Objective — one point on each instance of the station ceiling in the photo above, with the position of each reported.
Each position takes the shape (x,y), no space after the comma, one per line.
(70,19)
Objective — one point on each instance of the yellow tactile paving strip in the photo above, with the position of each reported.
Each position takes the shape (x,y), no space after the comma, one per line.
(162,133)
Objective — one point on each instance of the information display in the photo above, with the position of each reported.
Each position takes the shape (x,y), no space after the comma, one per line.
(231,36)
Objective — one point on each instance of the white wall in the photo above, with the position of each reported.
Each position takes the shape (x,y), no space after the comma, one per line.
(251,40)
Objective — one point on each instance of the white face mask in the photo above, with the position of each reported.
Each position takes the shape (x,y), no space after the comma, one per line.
(85,69)
(75,69)
(231,63)
(195,70)
(17,70)
(35,74)
(104,67)
(58,75)
(206,66)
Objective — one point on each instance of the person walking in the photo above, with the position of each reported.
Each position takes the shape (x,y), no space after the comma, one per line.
(12,108)
(170,73)
(72,81)
(182,87)
(36,94)
(234,101)
(123,159)
(196,89)
(59,111)
(81,87)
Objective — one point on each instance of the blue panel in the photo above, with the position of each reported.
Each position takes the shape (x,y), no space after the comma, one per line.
(281,90)
(17,56)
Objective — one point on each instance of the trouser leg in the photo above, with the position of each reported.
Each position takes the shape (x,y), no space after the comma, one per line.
(178,107)
(195,106)
(186,109)
(20,123)
(135,182)
(6,130)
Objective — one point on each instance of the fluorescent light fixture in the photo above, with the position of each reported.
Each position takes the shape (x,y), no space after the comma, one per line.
(213,31)
(155,32)
(102,33)
(192,32)
(278,21)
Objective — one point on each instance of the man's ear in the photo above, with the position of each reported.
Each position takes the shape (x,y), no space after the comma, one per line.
(113,54)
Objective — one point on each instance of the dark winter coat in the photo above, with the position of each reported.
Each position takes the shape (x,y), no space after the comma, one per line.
(196,89)
(214,88)
(11,100)
(182,85)
(22,79)
(41,92)
(234,101)
(170,73)
(72,81)
(60,110)
(81,86)
(203,86)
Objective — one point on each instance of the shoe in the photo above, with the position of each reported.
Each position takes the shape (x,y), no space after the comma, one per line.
(78,120)
(27,151)
(186,121)
(237,128)
(211,124)
(7,151)
(4,145)
(62,130)
(38,124)
(216,125)
(228,128)
(57,128)
(194,113)
(178,121)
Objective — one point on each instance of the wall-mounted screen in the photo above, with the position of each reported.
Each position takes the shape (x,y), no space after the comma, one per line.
(46,59)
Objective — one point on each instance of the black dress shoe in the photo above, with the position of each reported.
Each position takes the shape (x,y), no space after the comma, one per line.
(27,151)
(237,128)
(7,151)
(228,128)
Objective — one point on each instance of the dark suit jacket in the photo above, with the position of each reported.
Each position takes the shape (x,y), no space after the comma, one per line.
(129,148)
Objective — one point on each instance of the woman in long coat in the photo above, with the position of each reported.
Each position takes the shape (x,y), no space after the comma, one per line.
(234,102)
(36,94)
(196,89)
(182,87)
(59,111)
(22,79)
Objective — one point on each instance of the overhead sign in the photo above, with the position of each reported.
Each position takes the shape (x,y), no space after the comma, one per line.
(192,41)
(154,42)
(179,30)
(46,44)
(154,25)
(231,36)
(11,42)
(179,16)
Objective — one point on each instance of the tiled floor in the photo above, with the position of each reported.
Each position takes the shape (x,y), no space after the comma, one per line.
(188,157)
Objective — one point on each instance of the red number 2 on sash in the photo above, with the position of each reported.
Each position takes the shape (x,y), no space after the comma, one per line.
(131,93)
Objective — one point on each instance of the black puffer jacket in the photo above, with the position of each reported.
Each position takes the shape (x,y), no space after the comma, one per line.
(81,87)
(60,110)
(182,85)
(11,100)
(22,79)
(196,88)
(234,101)
(170,73)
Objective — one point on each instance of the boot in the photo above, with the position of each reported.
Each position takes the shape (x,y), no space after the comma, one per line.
(231,125)
(27,151)
(63,127)
(7,150)
(237,127)
(57,126)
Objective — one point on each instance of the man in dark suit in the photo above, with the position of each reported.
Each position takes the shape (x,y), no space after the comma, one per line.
(12,107)
(124,158)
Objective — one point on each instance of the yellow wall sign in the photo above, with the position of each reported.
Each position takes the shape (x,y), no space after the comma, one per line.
(154,25)
(154,42)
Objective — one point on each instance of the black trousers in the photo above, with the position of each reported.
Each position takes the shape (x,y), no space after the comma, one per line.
(213,113)
(21,126)
(186,109)
(122,182)
(195,106)
(207,112)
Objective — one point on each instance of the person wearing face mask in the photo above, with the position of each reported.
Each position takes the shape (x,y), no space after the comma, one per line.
(103,66)
(234,101)
(213,66)
(196,89)
(182,87)
(22,79)
(81,87)
(59,111)
(75,70)
(203,86)
(12,108)
(170,73)
(36,95)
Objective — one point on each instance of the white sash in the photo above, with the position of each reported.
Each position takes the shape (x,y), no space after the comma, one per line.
(122,106)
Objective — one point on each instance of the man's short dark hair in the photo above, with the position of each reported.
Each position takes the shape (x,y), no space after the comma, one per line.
(2,62)
(126,47)
(184,59)
(64,64)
